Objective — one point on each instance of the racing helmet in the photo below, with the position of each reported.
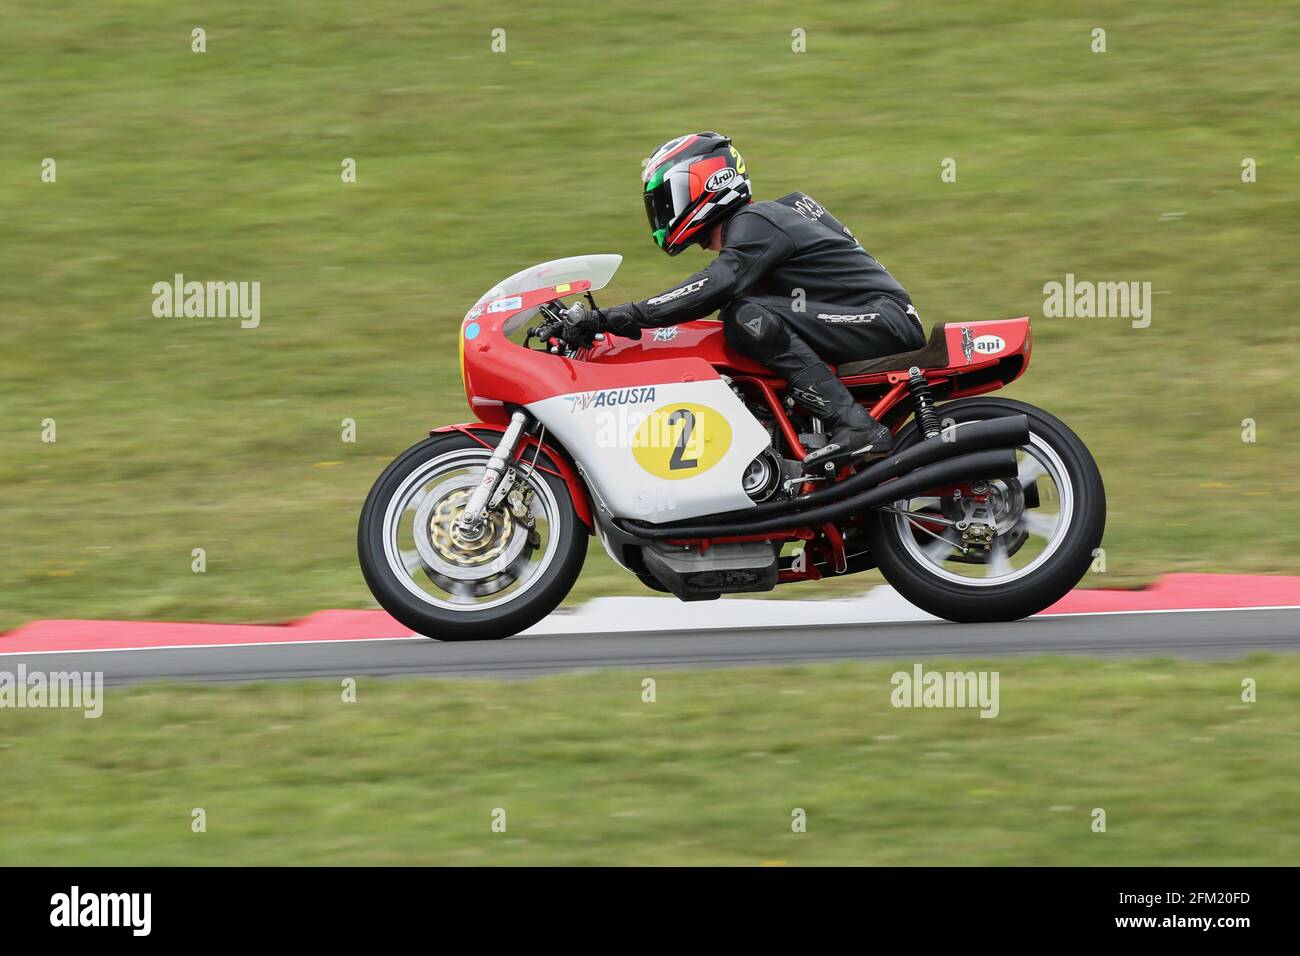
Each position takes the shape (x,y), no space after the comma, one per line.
(690,184)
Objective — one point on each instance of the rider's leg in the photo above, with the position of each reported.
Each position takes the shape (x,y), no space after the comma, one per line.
(883,325)
(756,326)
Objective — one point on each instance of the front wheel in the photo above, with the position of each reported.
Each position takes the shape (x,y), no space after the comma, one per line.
(424,572)
(997,550)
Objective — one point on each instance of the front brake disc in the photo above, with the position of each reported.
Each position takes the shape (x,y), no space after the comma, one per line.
(481,565)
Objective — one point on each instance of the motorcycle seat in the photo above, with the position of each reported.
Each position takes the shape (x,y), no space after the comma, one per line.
(933,355)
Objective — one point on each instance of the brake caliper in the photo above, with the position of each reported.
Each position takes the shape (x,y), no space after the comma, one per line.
(519,501)
(977,536)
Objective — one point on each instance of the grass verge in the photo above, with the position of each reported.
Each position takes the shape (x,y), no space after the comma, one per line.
(709,773)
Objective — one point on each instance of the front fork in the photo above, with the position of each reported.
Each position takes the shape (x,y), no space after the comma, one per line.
(470,523)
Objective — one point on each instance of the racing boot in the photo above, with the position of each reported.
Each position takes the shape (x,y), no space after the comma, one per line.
(853,433)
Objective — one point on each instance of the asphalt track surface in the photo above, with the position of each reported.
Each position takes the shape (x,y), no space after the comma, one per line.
(1229,634)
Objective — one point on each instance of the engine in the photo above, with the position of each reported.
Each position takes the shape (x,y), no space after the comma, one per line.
(765,475)
(771,475)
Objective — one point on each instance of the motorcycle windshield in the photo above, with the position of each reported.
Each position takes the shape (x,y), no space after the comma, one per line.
(597,270)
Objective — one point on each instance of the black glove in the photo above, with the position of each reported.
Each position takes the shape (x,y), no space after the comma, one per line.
(579,330)
(620,320)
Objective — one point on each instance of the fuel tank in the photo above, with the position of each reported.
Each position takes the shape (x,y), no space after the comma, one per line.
(702,339)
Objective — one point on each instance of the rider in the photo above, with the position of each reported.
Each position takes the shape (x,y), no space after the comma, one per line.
(795,288)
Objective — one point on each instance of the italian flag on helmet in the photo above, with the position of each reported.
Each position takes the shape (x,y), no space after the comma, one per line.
(691,183)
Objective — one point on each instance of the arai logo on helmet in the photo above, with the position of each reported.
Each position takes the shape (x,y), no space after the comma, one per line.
(989,344)
(720,180)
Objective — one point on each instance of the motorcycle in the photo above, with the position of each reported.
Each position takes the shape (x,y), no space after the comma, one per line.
(682,457)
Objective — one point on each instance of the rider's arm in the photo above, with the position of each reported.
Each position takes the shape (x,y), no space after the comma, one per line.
(753,246)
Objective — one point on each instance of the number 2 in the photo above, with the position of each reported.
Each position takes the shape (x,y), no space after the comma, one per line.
(677,462)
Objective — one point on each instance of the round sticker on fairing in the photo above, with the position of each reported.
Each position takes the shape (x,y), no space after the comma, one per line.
(681,440)
(989,344)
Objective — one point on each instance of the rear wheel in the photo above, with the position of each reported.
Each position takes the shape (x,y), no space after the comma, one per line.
(426,573)
(1000,550)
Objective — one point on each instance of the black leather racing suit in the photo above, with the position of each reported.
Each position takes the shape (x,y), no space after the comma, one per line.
(790,271)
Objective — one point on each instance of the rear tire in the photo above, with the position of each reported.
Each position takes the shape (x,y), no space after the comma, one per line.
(942,592)
(413,595)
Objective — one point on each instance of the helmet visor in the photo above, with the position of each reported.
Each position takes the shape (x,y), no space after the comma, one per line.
(659,207)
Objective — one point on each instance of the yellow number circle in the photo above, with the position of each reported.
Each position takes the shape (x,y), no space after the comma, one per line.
(681,440)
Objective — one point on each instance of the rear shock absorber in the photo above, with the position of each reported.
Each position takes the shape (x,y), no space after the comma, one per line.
(927,419)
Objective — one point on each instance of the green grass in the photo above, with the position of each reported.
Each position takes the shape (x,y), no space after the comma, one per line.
(175,434)
(587,773)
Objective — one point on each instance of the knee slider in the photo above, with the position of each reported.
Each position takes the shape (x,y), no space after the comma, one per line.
(753,328)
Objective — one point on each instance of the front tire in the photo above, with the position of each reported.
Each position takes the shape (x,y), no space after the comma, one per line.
(448,589)
(1037,555)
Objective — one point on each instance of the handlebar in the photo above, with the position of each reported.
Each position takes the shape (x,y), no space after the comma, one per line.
(552,327)
(544,331)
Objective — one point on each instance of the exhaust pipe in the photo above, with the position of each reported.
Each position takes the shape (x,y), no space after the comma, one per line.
(1008,432)
(998,463)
